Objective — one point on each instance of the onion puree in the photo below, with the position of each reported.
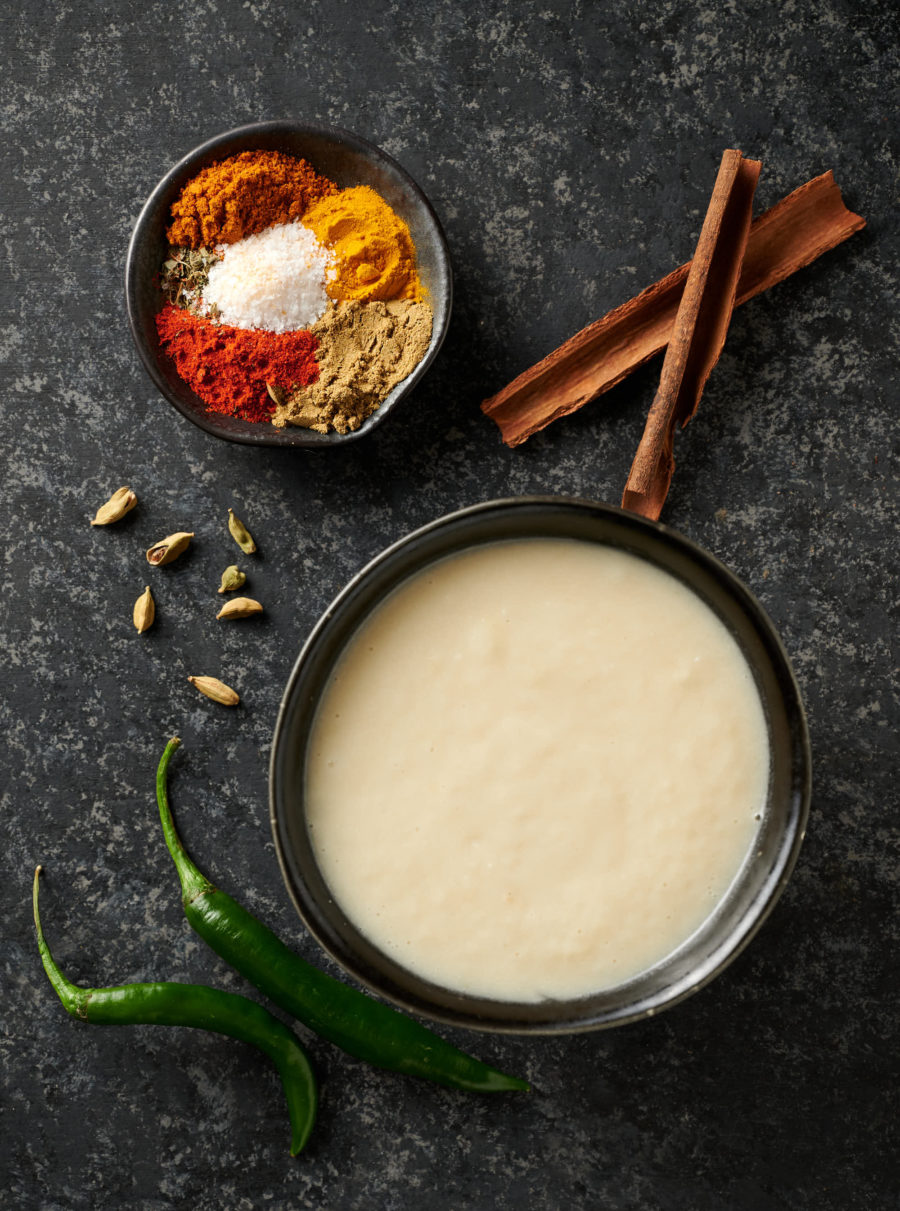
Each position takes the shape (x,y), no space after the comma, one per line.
(536,770)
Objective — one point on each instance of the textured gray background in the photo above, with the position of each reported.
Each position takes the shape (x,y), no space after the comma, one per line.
(570,150)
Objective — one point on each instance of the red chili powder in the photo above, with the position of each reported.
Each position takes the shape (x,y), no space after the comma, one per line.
(229,367)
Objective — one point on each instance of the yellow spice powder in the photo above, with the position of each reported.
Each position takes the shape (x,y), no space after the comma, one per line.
(376,258)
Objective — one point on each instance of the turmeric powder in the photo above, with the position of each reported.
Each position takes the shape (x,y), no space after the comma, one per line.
(243,195)
(376,258)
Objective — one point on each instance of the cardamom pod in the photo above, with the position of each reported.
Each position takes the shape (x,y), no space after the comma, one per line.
(239,607)
(215,689)
(120,503)
(144,611)
(240,533)
(232,578)
(276,394)
(169,548)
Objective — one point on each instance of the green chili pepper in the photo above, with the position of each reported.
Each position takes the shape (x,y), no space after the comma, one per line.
(194,1005)
(363,1027)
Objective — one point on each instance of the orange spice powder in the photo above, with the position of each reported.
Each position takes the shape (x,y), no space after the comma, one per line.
(243,195)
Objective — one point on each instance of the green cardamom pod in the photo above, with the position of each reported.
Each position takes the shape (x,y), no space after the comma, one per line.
(120,503)
(169,548)
(232,578)
(240,533)
(144,611)
(215,689)
(239,607)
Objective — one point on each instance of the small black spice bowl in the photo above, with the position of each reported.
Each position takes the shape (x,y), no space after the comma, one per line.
(348,160)
(754,891)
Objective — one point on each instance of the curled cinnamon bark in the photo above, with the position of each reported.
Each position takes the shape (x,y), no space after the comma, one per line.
(803,225)
(701,324)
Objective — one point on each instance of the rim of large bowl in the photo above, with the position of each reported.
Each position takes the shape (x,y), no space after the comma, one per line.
(723,954)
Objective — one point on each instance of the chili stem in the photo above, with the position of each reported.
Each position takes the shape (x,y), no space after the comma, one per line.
(73,998)
(193,882)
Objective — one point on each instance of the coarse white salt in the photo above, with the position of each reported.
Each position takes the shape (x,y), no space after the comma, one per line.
(274,280)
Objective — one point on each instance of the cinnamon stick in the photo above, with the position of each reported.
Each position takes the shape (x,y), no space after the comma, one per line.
(797,230)
(699,331)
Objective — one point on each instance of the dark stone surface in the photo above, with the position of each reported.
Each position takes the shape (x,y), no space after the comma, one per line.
(570,150)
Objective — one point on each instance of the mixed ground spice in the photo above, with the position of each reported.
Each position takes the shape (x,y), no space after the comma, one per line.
(290,301)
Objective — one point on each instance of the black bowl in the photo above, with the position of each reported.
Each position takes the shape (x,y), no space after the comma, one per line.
(764,873)
(347,160)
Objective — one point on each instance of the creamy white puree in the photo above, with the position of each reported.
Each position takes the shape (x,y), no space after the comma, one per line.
(536,770)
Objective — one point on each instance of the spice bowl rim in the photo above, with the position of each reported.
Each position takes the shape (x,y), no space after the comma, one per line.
(138,290)
(757,887)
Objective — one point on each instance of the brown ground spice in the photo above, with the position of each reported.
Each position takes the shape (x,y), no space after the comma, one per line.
(365,350)
(242,195)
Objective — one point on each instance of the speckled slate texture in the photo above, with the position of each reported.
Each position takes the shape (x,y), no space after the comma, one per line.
(570,150)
